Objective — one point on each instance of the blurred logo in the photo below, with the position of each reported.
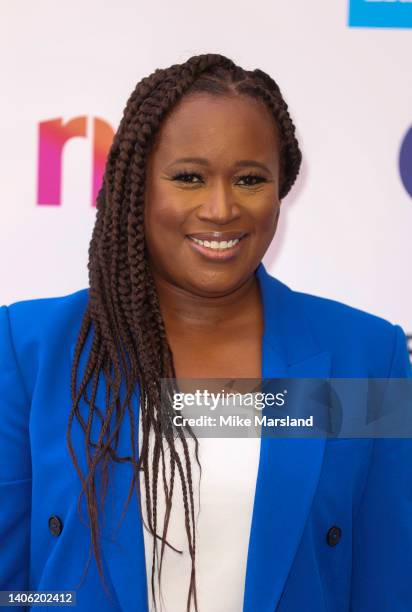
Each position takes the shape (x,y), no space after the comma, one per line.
(52,138)
(409,338)
(380,13)
(405,161)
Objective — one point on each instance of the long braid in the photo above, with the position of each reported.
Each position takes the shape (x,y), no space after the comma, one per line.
(129,339)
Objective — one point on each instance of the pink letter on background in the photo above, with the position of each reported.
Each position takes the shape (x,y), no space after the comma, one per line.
(53,135)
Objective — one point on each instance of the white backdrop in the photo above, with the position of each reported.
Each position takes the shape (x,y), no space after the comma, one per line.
(345,228)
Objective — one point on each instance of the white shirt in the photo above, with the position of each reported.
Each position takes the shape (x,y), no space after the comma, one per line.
(227,491)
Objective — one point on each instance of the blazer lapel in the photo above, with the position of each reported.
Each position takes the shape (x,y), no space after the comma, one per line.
(289,469)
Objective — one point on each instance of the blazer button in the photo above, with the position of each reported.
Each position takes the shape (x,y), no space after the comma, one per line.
(55,525)
(334,535)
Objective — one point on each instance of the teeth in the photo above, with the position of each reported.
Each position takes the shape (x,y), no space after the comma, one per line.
(217,246)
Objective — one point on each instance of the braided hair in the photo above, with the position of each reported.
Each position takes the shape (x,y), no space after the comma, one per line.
(129,341)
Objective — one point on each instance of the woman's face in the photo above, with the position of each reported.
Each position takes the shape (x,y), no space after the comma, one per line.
(212,175)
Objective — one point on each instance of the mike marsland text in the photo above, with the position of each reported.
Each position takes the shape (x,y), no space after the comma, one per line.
(237,421)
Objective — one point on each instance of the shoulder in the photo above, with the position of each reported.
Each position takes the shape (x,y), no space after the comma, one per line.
(338,318)
(43,315)
(353,336)
(38,330)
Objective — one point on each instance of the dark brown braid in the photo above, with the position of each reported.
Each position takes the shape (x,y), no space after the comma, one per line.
(129,340)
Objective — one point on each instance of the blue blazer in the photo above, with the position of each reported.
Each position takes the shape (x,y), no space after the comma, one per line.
(304,486)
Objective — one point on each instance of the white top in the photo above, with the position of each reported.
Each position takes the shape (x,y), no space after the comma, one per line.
(227,491)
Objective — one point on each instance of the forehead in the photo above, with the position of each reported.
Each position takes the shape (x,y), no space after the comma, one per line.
(217,125)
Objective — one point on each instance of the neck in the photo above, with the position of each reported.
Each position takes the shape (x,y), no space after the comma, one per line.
(182,309)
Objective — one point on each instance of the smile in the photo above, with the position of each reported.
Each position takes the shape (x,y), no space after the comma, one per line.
(217,250)
(216,244)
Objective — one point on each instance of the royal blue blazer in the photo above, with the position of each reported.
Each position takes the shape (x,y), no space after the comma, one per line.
(304,486)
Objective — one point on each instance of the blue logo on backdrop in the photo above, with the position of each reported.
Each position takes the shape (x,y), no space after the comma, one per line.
(380,13)
(405,161)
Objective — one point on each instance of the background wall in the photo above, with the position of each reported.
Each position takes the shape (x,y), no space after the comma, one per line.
(69,67)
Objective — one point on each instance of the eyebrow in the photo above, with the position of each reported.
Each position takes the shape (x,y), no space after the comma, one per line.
(242,163)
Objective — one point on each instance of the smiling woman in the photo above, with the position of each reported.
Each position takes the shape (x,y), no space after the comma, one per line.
(209,219)
(230,193)
(190,201)
(219,206)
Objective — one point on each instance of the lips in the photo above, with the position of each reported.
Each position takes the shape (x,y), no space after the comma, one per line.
(218,236)
(210,250)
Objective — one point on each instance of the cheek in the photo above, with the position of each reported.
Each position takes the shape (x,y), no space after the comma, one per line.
(164,207)
(164,220)
(266,216)
(162,214)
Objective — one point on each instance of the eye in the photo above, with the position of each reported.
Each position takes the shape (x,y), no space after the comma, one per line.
(185,177)
(254,177)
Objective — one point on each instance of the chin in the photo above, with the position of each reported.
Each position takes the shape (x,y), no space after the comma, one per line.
(215,282)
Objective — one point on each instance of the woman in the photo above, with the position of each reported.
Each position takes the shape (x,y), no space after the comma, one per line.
(189,205)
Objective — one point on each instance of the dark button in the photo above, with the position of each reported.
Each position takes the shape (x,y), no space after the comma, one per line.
(55,525)
(334,535)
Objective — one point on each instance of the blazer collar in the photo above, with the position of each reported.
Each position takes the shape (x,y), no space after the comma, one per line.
(288,472)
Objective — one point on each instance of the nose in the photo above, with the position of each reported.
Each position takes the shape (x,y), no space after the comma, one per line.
(220,205)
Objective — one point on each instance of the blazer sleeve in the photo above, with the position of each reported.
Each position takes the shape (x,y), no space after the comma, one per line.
(382,529)
(15,467)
